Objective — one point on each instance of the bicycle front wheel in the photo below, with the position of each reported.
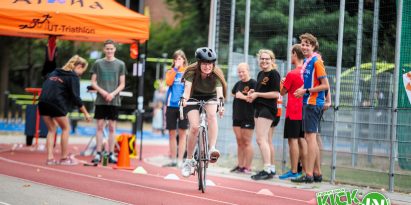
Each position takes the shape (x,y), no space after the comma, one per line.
(202,162)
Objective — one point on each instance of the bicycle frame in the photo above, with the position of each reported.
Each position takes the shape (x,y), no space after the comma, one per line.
(201,155)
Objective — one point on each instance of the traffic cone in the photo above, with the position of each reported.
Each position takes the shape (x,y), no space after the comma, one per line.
(123,161)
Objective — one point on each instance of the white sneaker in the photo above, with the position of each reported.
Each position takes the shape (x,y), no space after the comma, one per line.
(179,164)
(214,154)
(96,159)
(187,168)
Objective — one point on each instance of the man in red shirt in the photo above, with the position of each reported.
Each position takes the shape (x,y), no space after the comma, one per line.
(293,123)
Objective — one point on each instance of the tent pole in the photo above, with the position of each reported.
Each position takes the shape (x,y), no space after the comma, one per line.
(140,97)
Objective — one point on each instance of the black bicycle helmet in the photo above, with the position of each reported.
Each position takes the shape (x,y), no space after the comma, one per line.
(206,54)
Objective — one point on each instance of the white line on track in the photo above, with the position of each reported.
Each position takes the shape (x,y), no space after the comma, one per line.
(157,176)
(229,188)
(110,180)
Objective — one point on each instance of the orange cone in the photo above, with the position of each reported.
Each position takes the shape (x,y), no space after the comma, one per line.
(123,161)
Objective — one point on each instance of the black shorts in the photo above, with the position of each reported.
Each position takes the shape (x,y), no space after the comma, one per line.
(293,129)
(173,118)
(188,108)
(245,124)
(106,112)
(46,109)
(275,121)
(264,112)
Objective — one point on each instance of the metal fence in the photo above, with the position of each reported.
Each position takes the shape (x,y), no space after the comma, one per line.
(358,133)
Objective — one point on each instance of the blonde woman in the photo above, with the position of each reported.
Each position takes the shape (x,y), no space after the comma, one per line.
(265,98)
(243,119)
(61,90)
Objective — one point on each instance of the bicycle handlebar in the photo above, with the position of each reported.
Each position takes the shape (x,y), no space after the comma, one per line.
(210,102)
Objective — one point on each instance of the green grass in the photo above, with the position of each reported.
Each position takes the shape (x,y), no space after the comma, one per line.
(374,174)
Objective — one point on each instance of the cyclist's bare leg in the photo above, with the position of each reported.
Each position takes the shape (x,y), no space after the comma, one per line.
(99,134)
(111,133)
(262,126)
(193,118)
(247,135)
(212,124)
(181,143)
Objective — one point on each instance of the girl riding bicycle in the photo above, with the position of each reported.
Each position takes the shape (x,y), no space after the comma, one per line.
(203,81)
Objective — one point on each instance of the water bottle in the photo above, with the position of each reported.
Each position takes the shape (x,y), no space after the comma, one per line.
(105,159)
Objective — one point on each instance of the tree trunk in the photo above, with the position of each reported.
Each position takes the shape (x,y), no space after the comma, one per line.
(4,71)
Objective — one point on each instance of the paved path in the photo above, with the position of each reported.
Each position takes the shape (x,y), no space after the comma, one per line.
(15,191)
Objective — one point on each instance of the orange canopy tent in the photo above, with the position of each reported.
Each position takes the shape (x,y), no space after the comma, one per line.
(79,20)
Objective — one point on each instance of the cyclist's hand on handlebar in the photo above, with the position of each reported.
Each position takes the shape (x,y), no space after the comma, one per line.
(182,102)
(221,112)
(221,107)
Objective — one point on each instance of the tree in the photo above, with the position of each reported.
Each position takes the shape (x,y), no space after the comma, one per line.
(191,33)
(21,59)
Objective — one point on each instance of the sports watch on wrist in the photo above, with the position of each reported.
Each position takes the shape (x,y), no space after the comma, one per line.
(307,91)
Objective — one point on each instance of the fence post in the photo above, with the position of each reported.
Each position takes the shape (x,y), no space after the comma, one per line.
(140,100)
(337,93)
(394,112)
(356,130)
(231,38)
(247,29)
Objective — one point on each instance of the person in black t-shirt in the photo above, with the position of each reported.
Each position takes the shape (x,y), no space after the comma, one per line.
(265,98)
(243,119)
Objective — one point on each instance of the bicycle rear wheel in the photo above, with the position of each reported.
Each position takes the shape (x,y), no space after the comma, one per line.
(202,162)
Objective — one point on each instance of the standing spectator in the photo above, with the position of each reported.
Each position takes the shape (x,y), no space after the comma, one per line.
(265,99)
(313,93)
(293,130)
(243,120)
(108,79)
(60,91)
(174,93)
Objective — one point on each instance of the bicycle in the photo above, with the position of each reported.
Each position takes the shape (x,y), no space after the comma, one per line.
(201,151)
